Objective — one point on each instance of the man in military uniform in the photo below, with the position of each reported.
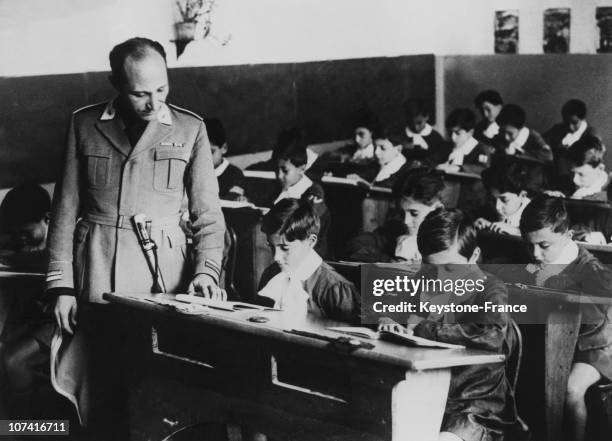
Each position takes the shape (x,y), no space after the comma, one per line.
(133,155)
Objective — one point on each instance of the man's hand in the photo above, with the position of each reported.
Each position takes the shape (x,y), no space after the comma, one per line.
(204,285)
(65,313)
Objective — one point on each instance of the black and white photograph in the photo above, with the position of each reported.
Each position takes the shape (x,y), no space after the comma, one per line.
(305,220)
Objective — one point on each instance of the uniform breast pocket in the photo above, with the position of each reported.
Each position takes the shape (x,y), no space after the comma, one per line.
(97,166)
(169,170)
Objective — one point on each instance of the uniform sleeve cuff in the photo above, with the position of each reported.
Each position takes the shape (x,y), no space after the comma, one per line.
(211,269)
(60,291)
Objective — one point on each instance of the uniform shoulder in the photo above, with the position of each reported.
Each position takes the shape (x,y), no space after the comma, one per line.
(93,108)
(185,112)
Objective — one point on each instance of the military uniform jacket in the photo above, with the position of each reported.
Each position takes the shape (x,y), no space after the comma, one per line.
(92,245)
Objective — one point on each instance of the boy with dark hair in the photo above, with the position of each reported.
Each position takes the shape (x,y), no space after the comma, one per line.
(229,177)
(467,154)
(299,281)
(480,403)
(586,161)
(424,143)
(561,264)
(489,103)
(516,139)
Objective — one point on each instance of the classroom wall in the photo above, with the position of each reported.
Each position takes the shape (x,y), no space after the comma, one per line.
(539,83)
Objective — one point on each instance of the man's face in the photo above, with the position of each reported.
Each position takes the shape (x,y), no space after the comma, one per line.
(288,174)
(586,175)
(459,136)
(385,151)
(146,85)
(546,244)
(572,122)
(418,123)
(506,203)
(490,111)
(510,132)
(289,255)
(363,137)
(217,154)
(414,213)
(30,236)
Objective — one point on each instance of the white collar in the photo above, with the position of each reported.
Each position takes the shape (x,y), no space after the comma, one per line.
(425,132)
(514,219)
(571,138)
(311,157)
(492,130)
(163,116)
(222,167)
(296,190)
(307,267)
(390,167)
(569,253)
(519,142)
(595,188)
(364,153)
(459,153)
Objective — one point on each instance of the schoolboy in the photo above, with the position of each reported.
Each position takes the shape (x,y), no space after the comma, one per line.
(561,264)
(299,281)
(586,161)
(424,143)
(516,139)
(489,103)
(468,154)
(480,403)
(229,177)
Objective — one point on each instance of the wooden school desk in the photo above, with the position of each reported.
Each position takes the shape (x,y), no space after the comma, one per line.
(191,368)
(561,334)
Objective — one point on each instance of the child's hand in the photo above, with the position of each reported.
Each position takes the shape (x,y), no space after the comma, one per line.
(502,228)
(481,223)
(554,193)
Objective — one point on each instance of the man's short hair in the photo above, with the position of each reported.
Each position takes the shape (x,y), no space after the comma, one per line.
(587,150)
(293,218)
(442,228)
(574,108)
(462,118)
(290,146)
(22,205)
(544,212)
(488,96)
(137,48)
(216,131)
(512,115)
(423,186)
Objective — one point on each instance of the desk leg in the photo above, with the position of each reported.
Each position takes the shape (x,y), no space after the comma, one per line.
(560,342)
(417,405)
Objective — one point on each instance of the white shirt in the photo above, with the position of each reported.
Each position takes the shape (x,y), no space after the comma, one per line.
(519,142)
(222,167)
(287,288)
(364,153)
(390,167)
(491,131)
(296,190)
(417,138)
(598,186)
(407,248)
(459,153)
(514,219)
(571,138)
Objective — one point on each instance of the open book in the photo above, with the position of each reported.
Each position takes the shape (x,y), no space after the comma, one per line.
(395,337)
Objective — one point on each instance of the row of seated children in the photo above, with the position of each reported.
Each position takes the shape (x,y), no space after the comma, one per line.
(26,336)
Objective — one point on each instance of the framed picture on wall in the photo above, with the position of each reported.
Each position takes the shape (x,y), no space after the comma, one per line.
(556,31)
(604,23)
(506,31)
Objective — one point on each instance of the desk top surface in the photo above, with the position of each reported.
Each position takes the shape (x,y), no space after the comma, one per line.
(279,323)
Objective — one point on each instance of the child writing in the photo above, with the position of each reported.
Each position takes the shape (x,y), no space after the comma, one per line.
(489,103)
(230,177)
(299,281)
(561,264)
(516,139)
(467,154)
(416,195)
(480,403)
(511,189)
(565,134)
(423,141)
